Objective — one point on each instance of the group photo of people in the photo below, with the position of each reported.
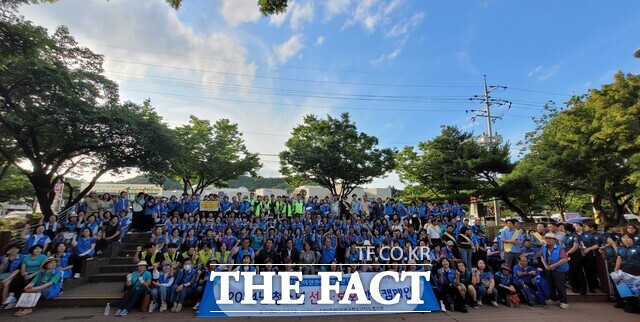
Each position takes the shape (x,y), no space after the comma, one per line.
(292,233)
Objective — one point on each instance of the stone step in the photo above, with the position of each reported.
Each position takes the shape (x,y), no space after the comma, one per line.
(108,277)
(88,295)
(130,246)
(121,260)
(119,268)
(124,253)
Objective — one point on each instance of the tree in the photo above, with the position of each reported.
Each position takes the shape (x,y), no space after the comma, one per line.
(332,153)
(455,165)
(267,7)
(62,117)
(594,145)
(211,155)
(15,187)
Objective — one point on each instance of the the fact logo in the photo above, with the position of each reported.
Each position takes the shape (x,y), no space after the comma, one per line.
(329,283)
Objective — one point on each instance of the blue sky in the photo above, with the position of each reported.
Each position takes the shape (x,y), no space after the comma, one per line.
(400,68)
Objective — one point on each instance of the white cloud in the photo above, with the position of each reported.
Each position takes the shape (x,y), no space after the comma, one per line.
(533,72)
(388,57)
(392,179)
(279,19)
(406,26)
(371,13)
(236,12)
(289,48)
(395,53)
(301,13)
(336,7)
(142,48)
(378,60)
(320,40)
(542,73)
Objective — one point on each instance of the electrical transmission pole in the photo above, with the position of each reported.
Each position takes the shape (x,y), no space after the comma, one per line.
(489,140)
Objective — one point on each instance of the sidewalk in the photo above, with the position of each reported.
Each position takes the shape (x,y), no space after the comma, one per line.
(583,312)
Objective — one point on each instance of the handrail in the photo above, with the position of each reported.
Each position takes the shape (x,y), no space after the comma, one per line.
(63,217)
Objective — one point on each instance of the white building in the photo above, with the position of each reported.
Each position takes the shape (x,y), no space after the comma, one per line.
(271,191)
(131,189)
(322,192)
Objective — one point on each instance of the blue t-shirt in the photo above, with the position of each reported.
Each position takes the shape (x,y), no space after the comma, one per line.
(84,245)
(135,281)
(32,265)
(507,234)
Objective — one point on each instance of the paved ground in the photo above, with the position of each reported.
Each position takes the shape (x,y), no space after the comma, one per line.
(582,312)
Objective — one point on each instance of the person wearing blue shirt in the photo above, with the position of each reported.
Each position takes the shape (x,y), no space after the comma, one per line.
(530,251)
(523,275)
(184,285)
(504,283)
(37,238)
(555,261)
(401,210)
(591,241)
(388,207)
(512,239)
(192,205)
(121,203)
(456,209)
(225,204)
(63,256)
(10,263)
(328,254)
(446,209)
(85,247)
(571,245)
(484,283)
(173,204)
(422,210)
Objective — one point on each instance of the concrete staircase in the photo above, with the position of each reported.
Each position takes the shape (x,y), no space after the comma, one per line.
(105,277)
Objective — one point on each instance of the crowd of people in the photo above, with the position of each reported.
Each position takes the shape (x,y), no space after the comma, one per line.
(254,233)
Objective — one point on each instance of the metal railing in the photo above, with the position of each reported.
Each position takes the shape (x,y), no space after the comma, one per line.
(16,235)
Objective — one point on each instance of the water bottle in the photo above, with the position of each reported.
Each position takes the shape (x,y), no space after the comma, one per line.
(107,309)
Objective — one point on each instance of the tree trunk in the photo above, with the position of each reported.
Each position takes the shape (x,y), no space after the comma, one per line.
(45,193)
(184,185)
(616,216)
(516,209)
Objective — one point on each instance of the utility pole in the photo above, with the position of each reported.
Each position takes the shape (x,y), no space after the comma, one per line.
(489,140)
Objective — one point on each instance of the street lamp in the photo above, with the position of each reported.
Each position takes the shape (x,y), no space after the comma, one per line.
(636,53)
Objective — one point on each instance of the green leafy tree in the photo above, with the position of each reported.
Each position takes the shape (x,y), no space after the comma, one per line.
(59,114)
(15,187)
(332,153)
(593,145)
(454,165)
(211,155)
(267,7)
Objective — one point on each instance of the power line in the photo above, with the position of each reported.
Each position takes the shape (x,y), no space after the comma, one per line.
(292,79)
(265,64)
(295,93)
(295,105)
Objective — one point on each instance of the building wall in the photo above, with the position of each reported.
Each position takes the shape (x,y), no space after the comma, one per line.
(321,192)
(270,191)
(116,188)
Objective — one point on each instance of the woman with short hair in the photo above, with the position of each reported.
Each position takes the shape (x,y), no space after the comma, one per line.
(28,269)
(47,282)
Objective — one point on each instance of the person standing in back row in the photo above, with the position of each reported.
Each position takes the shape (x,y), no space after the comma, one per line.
(511,239)
(554,260)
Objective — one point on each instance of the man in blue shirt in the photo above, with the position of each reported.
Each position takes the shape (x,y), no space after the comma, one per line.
(511,239)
